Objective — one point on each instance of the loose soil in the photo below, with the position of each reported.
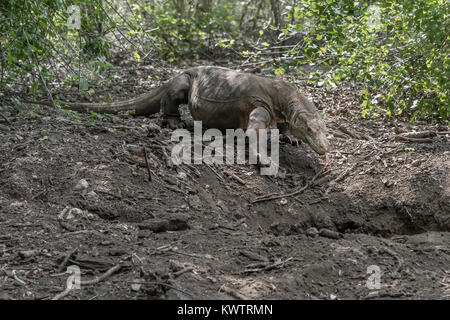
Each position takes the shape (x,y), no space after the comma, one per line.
(75,191)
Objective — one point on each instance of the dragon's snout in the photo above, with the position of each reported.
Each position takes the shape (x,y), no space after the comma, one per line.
(316,135)
(319,142)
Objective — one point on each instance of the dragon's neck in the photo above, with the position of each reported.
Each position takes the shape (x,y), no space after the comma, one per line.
(295,103)
(292,107)
(290,101)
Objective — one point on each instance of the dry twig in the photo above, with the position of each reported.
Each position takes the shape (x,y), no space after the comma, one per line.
(269,197)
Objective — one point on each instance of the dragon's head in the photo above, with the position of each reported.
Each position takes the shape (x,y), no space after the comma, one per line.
(310,127)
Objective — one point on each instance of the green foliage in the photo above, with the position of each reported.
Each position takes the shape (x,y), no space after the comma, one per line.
(35,35)
(182,28)
(398,50)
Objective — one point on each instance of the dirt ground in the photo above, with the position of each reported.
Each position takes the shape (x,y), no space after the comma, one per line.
(75,191)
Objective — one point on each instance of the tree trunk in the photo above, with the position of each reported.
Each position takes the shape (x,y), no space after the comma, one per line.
(276,12)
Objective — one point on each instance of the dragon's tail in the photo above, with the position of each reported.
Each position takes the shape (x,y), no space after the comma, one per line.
(144,104)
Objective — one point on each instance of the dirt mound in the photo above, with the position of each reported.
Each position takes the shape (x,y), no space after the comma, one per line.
(75,190)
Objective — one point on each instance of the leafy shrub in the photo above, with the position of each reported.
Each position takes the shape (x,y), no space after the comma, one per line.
(398,50)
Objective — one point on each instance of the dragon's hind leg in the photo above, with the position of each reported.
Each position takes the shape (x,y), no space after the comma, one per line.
(175,95)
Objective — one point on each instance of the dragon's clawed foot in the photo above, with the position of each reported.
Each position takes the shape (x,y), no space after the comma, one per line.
(288,138)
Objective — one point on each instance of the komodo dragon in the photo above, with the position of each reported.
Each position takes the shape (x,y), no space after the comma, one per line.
(225,99)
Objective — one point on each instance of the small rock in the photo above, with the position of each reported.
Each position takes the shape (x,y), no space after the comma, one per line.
(153,128)
(176,222)
(372,294)
(327,233)
(312,232)
(283,201)
(175,266)
(92,196)
(195,202)
(137,284)
(27,253)
(82,185)
(73,213)
(416,163)
(387,183)
(181,175)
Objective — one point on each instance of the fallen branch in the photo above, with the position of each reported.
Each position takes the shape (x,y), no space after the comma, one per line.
(102,277)
(394,255)
(39,194)
(416,140)
(66,259)
(235,177)
(269,197)
(193,169)
(63,294)
(88,282)
(340,135)
(147,165)
(19,281)
(174,189)
(349,132)
(418,134)
(169,162)
(232,293)
(182,271)
(6,119)
(268,267)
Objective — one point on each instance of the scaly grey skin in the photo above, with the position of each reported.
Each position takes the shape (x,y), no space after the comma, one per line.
(311,129)
(225,99)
